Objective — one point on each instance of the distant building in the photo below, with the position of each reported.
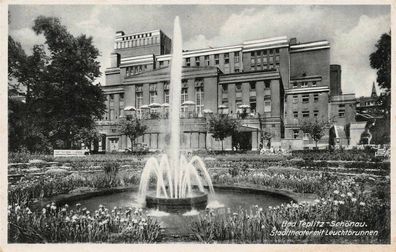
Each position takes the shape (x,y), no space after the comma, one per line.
(369,107)
(269,84)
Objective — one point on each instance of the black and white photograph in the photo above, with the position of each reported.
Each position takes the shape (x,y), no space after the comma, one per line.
(192,124)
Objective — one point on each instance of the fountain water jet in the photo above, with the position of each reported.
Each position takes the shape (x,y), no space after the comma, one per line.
(176,177)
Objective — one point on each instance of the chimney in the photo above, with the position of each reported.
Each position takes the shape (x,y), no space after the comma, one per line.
(293,41)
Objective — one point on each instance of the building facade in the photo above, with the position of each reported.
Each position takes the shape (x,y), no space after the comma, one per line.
(270,85)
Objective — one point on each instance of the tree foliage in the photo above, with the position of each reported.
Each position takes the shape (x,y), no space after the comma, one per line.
(133,128)
(380,60)
(61,99)
(222,126)
(316,129)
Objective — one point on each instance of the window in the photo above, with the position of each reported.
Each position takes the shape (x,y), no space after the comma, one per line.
(236,57)
(295,133)
(199,94)
(188,62)
(225,88)
(314,83)
(267,106)
(127,71)
(341,112)
(184,97)
(316,97)
(238,87)
(121,100)
(258,61)
(267,84)
(252,86)
(271,51)
(265,52)
(271,59)
(197,62)
(265,60)
(153,96)
(217,61)
(295,98)
(277,58)
(226,58)
(166,96)
(315,113)
(305,98)
(305,113)
(277,50)
(252,59)
(295,114)
(304,84)
(111,114)
(161,63)
(295,85)
(207,62)
(252,103)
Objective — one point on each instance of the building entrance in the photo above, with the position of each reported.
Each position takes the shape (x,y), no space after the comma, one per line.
(242,141)
(113,144)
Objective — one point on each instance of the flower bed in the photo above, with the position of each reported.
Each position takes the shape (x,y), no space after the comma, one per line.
(290,223)
(79,225)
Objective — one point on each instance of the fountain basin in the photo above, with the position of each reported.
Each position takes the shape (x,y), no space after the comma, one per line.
(199,202)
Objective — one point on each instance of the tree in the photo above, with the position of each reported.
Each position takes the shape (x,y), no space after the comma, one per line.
(61,98)
(381,61)
(87,136)
(316,129)
(222,126)
(133,128)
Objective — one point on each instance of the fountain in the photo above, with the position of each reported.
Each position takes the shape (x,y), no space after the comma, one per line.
(179,184)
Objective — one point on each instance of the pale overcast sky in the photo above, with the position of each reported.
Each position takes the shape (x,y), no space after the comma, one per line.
(351,30)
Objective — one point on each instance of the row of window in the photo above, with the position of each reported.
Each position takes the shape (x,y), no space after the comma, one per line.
(304,84)
(306,113)
(265,52)
(252,106)
(143,35)
(132,70)
(252,86)
(305,98)
(263,60)
(136,42)
(341,110)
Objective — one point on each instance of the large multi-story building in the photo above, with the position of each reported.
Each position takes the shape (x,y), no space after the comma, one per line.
(270,85)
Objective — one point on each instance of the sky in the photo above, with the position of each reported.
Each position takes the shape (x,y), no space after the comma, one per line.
(351,30)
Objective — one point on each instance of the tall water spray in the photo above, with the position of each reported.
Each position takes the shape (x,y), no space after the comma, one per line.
(176,176)
(175,100)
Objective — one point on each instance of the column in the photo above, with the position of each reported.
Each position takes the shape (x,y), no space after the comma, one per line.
(232,62)
(123,142)
(260,97)
(231,98)
(116,106)
(160,92)
(254,140)
(191,90)
(245,93)
(146,91)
